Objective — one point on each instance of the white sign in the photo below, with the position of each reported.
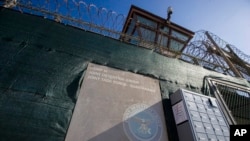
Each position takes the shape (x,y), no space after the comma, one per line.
(180,114)
(117,105)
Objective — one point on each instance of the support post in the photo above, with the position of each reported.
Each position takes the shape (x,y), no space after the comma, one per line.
(230,64)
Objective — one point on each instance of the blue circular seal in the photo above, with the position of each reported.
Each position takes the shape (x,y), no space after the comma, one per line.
(142,123)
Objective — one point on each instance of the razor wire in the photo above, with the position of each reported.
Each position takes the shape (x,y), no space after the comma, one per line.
(76,13)
(230,48)
(201,51)
(201,39)
(100,20)
(201,47)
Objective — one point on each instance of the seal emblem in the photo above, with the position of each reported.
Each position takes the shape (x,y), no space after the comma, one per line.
(142,123)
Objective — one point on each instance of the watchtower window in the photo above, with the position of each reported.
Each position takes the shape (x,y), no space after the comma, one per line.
(146,22)
(150,31)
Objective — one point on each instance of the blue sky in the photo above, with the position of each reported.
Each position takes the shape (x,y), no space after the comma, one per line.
(229,19)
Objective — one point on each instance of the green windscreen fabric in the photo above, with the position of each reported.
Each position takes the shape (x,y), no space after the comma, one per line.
(42,64)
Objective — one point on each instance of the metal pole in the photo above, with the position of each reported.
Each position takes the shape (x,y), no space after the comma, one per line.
(236,72)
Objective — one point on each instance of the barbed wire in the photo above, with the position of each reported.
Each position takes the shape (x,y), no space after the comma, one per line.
(109,23)
(75,13)
(201,48)
(240,54)
(228,48)
(202,51)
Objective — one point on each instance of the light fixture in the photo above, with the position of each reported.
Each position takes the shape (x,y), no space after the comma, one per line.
(170,12)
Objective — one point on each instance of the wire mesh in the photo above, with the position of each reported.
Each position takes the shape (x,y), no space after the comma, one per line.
(238,102)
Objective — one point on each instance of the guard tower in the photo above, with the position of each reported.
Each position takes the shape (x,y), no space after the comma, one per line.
(147,30)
